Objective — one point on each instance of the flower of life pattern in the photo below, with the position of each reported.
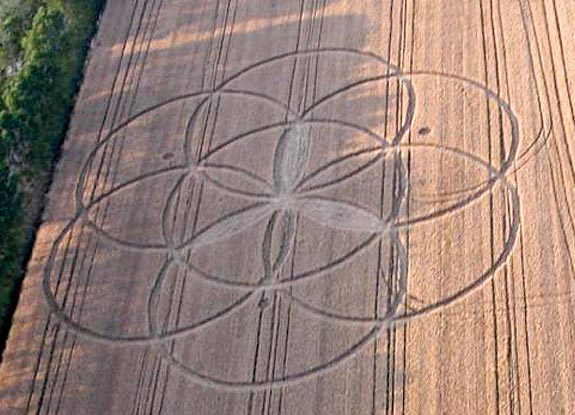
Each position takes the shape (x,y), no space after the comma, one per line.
(303,176)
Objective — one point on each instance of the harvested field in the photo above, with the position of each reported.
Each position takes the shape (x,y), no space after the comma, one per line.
(309,207)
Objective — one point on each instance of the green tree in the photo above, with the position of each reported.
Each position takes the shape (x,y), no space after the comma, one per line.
(15,20)
(9,235)
(43,44)
(38,96)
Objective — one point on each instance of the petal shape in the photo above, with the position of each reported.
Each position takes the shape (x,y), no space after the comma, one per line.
(291,157)
(338,152)
(278,241)
(229,225)
(441,181)
(341,215)
(455,256)
(236,181)
(130,216)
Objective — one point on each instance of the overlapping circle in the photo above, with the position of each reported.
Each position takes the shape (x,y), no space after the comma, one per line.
(293,191)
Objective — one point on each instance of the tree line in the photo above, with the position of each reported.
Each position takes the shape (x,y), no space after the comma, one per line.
(43,45)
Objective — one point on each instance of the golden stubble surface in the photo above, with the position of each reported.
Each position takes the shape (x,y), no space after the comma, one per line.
(309,207)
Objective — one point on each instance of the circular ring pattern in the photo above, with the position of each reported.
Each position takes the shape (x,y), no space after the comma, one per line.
(290,194)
